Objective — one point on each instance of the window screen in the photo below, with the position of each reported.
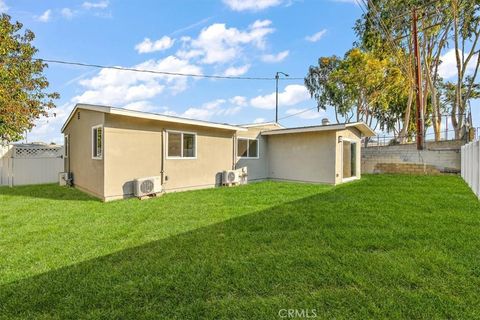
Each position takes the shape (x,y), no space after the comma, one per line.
(252,148)
(181,145)
(97,142)
(242,147)
(247,148)
(66,147)
(174,144)
(188,145)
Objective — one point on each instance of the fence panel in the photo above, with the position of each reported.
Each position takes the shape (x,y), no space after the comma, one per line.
(5,165)
(36,171)
(30,164)
(470,158)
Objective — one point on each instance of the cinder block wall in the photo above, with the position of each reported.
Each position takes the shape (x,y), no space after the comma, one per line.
(437,157)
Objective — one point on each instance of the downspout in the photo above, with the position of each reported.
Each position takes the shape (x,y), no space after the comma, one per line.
(234,150)
(162,157)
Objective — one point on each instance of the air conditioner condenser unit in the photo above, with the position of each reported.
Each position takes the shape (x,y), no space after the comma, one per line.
(147,186)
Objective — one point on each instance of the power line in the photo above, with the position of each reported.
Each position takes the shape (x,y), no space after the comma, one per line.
(167,73)
(297,113)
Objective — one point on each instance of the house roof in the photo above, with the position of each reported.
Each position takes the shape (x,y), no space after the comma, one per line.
(361,126)
(262,124)
(150,116)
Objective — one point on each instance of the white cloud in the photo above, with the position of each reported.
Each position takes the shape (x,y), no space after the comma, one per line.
(273,58)
(95,5)
(251,5)
(142,105)
(48,129)
(219,44)
(305,113)
(448,67)
(208,110)
(147,46)
(316,36)
(120,88)
(45,17)
(3,6)
(259,120)
(67,13)
(234,72)
(238,100)
(292,95)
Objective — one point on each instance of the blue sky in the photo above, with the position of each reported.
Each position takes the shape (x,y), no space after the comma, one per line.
(229,37)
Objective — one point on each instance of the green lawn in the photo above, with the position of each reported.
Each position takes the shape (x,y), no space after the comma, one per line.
(388,246)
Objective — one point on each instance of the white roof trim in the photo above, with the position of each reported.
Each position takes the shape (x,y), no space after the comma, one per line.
(150,116)
(261,124)
(366,130)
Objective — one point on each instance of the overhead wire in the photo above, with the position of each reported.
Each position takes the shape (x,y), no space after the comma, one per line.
(166,73)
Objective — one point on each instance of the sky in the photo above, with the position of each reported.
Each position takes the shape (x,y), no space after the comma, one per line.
(249,38)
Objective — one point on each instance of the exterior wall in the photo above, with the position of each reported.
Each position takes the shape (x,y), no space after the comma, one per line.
(133,149)
(350,134)
(257,168)
(444,159)
(88,173)
(308,157)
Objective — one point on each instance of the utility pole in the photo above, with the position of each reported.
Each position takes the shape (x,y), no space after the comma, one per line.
(276,97)
(276,93)
(418,82)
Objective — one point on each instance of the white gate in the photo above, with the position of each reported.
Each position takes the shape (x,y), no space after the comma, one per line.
(30,164)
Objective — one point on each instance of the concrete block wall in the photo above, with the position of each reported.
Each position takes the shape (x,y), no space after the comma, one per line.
(435,158)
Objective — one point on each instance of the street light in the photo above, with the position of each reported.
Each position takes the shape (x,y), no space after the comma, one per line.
(276,92)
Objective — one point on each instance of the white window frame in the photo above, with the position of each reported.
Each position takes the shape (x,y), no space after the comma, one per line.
(248,148)
(356,176)
(93,144)
(181,145)
(66,146)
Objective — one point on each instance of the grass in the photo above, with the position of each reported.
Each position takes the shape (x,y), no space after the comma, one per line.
(384,247)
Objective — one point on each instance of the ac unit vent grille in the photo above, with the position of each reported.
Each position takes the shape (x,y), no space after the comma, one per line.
(146,186)
(231,176)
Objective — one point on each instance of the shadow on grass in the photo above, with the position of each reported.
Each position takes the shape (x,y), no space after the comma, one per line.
(329,252)
(47,191)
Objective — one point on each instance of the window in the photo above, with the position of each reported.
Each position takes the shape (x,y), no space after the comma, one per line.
(181,145)
(97,142)
(66,146)
(247,148)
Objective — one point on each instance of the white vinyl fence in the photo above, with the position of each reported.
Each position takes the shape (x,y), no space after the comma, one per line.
(24,164)
(471,165)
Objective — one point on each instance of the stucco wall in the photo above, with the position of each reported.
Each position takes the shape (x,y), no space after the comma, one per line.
(257,168)
(88,173)
(134,150)
(308,157)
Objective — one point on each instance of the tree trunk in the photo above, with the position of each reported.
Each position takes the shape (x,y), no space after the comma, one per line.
(403,136)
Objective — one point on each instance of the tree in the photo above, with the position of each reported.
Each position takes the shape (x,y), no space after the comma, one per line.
(23,98)
(325,89)
(361,87)
(385,28)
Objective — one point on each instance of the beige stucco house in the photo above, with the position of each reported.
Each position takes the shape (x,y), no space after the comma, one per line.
(107,148)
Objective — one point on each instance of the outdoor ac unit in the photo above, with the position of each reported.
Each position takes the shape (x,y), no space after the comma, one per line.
(147,186)
(65,178)
(235,176)
(231,177)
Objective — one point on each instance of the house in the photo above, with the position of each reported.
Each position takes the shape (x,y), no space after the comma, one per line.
(106,148)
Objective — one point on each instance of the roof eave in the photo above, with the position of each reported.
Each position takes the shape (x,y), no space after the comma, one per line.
(138,114)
